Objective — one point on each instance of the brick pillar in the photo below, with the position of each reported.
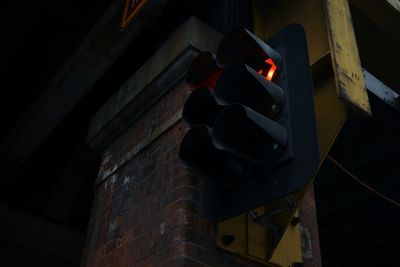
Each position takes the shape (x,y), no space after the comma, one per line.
(146,205)
(309,230)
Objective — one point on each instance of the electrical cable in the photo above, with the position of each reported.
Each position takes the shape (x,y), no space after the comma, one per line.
(361,182)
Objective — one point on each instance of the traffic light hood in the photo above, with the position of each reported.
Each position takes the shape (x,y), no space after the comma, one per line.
(203,71)
(201,108)
(240,45)
(248,134)
(239,83)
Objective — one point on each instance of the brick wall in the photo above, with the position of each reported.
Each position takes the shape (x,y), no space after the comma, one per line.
(309,230)
(146,210)
(146,205)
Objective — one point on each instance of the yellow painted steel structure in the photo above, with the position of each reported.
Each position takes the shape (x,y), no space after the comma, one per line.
(330,38)
(349,77)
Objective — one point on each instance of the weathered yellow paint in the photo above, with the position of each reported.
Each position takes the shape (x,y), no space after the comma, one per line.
(236,226)
(344,52)
(253,240)
(271,16)
(289,248)
(258,242)
(330,112)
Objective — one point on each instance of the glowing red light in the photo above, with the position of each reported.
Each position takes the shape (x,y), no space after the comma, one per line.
(203,71)
(271,71)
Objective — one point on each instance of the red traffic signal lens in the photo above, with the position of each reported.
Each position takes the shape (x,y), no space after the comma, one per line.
(203,72)
(269,69)
(240,45)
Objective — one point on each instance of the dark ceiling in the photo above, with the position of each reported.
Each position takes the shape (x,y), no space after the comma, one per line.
(37,38)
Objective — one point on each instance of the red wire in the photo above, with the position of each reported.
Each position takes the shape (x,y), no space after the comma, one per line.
(361,182)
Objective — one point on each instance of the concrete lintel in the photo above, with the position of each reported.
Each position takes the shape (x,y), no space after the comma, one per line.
(163,70)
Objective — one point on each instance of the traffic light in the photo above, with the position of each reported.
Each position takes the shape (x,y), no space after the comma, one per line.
(203,71)
(252,133)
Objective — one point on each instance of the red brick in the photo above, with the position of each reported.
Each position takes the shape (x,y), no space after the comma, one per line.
(201,254)
(174,262)
(106,260)
(189,262)
(174,249)
(146,213)
(308,219)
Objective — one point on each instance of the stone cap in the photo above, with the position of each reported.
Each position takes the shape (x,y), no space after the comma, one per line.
(160,73)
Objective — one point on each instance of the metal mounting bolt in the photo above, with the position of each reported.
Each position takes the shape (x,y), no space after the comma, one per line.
(228,239)
(294,221)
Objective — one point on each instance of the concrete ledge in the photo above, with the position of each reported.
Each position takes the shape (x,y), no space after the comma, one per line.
(159,74)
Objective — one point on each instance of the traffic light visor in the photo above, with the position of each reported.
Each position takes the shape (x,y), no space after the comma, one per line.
(203,71)
(240,45)
(241,84)
(201,108)
(248,134)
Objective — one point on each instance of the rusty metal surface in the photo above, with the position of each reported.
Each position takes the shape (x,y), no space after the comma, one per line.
(349,77)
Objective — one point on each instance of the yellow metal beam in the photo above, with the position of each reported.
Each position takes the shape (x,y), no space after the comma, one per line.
(330,111)
(349,77)
(270,16)
(235,230)
(289,248)
(252,240)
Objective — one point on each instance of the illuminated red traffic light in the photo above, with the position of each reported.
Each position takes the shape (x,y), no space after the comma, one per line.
(269,70)
(203,72)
